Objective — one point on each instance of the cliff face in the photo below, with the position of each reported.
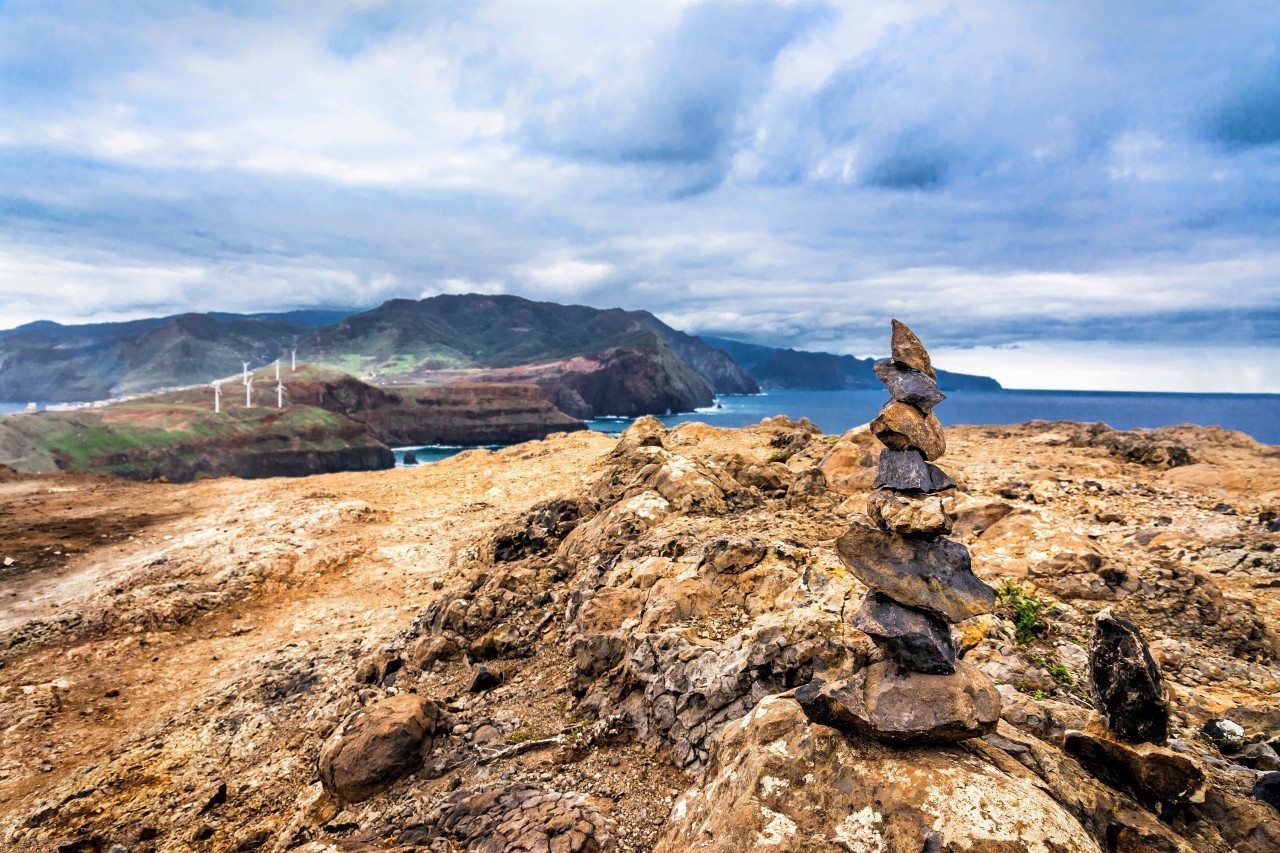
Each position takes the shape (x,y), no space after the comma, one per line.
(598,643)
(623,381)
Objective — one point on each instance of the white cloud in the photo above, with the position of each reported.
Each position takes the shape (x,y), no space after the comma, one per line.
(567,276)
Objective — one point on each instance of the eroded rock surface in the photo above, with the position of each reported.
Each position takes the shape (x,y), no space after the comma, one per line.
(776,782)
(629,643)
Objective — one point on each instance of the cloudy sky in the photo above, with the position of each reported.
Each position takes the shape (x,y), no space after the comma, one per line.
(1078,194)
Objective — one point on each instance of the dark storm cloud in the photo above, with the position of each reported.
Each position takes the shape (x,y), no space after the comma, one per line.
(1249,114)
(683,110)
(795,172)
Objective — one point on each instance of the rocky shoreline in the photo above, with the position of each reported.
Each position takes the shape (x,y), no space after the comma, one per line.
(584,643)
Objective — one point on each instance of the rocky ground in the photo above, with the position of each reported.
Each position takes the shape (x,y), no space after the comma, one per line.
(585,643)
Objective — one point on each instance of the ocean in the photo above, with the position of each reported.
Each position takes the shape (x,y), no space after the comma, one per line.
(837,411)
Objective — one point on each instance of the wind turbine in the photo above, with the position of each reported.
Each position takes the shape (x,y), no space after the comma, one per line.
(277,370)
(279,395)
(293,361)
(248,392)
(217,396)
(246,372)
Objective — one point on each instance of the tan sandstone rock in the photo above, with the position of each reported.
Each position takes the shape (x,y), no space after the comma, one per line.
(778,783)
(900,426)
(907,513)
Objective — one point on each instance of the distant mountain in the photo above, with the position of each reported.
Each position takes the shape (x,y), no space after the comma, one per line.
(824,371)
(588,361)
(52,362)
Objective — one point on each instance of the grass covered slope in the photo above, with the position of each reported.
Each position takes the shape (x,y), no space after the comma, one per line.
(330,422)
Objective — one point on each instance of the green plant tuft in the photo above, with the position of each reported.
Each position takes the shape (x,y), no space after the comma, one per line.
(1028,624)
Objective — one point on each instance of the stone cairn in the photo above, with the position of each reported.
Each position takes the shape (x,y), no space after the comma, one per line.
(921,582)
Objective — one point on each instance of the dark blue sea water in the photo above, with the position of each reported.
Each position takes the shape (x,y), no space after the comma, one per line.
(837,411)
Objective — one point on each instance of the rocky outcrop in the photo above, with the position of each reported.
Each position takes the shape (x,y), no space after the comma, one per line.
(645,620)
(777,783)
(623,382)
(329,422)
(513,818)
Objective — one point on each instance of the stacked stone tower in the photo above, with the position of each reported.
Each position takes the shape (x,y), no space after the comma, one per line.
(921,582)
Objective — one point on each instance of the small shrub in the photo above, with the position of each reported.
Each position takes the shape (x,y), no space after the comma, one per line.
(1027,622)
(779,456)
(526,732)
(1058,672)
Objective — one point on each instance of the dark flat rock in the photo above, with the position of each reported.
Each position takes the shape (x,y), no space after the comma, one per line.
(892,705)
(1126,682)
(908,386)
(918,640)
(1267,789)
(903,427)
(909,352)
(930,573)
(1154,775)
(906,471)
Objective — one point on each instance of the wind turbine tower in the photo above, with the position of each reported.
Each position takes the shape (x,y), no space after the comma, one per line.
(246,372)
(277,370)
(217,396)
(248,392)
(279,395)
(293,361)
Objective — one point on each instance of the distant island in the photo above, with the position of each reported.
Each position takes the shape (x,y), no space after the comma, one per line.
(454,369)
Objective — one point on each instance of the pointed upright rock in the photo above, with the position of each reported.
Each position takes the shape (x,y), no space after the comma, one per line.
(909,352)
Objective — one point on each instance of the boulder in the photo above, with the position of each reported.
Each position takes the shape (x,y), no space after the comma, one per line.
(885,702)
(907,350)
(1154,775)
(907,513)
(1267,789)
(1127,686)
(1226,735)
(539,531)
(918,640)
(903,427)
(807,485)
(483,678)
(908,386)
(1259,756)
(931,573)
(906,471)
(777,784)
(378,745)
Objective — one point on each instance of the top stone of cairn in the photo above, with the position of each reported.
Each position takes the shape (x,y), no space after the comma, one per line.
(909,352)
